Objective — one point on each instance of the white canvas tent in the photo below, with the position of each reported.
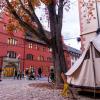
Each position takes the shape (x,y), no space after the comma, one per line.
(86,71)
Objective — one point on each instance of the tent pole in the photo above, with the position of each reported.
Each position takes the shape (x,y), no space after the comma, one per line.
(93,68)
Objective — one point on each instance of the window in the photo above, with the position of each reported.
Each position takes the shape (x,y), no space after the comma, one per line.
(12,41)
(50,49)
(87,56)
(44,49)
(4,27)
(49,59)
(29,57)
(30,45)
(36,47)
(97,53)
(40,58)
(11,54)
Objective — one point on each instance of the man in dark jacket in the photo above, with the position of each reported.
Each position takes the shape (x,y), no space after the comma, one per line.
(39,71)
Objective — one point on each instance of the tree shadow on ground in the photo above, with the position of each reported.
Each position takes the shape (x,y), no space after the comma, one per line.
(43,85)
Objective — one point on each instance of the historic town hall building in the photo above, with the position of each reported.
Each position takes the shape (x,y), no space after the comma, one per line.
(21,51)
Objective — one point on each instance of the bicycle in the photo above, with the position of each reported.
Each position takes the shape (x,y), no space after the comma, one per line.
(51,77)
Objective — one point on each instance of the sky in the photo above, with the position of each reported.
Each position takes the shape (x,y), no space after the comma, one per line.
(71,27)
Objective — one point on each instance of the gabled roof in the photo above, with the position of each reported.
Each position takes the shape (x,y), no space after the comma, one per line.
(33,38)
(72,50)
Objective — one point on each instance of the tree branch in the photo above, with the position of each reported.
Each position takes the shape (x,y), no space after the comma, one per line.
(40,28)
(27,26)
(67,1)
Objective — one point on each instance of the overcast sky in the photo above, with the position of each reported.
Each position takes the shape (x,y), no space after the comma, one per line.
(71,27)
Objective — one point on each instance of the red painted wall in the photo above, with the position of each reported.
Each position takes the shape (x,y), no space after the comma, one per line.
(23,49)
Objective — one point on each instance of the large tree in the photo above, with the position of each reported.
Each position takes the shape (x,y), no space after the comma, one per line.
(24,12)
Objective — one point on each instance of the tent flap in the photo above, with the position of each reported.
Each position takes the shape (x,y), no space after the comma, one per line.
(85,72)
(77,63)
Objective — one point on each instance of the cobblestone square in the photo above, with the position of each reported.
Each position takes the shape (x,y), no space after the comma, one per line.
(11,89)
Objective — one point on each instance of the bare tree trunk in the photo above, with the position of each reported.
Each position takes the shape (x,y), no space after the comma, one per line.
(59,62)
(57,45)
(56,63)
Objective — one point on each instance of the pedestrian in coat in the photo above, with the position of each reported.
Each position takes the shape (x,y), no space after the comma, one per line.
(15,73)
(39,71)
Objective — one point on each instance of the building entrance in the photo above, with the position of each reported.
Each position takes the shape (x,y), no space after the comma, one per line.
(8,70)
(9,66)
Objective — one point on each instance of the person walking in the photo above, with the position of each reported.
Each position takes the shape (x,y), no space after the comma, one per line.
(39,71)
(19,74)
(15,73)
(26,73)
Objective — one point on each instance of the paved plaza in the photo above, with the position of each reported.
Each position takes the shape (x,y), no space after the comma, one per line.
(11,89)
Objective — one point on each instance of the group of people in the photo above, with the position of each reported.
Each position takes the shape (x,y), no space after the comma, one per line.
(18,74)
(31,73)
(28,73)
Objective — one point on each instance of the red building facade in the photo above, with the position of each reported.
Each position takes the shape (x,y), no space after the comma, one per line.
(21,51)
